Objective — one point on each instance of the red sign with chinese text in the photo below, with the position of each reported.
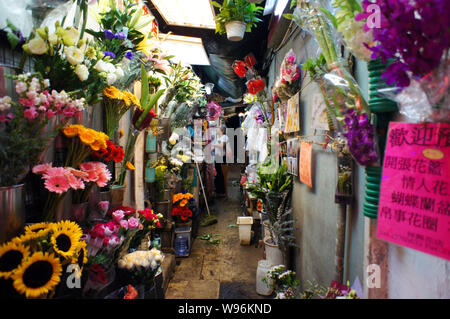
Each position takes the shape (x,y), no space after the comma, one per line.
(414,206)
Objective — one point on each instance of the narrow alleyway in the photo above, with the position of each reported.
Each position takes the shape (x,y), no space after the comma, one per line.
(219,271)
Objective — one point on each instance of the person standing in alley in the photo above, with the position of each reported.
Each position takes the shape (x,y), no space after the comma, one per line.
(220,148)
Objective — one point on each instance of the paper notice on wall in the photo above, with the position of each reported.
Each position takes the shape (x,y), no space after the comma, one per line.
(414,206)
(319,118)
(305,163)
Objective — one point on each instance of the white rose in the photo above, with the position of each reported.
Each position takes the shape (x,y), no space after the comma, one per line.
(82,72)
(74,55)
(101,66)
(36,46)
(111,78)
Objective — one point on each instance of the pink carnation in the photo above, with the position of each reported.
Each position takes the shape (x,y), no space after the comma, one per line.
(124,223)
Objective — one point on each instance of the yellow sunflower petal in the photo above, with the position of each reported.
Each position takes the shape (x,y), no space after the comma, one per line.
(12,255)
(38,275)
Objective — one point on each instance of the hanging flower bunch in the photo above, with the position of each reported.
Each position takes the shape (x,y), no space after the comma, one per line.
(288,83)
(360,137)
(34,261)
(112,152)
(416,34)
(116,103)
(83,142)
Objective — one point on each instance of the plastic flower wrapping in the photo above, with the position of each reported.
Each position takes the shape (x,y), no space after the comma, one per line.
(416,35)
(35,260)
(339,89)
(288,82)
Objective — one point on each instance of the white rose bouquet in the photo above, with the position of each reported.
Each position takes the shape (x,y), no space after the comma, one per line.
(141,265)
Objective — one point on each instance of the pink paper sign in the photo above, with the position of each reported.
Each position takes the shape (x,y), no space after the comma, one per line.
(414,206)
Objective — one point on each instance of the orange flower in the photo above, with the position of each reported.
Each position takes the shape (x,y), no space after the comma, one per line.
(130,166)
(133,99)
(113,93)
(87,136)
(70,131)
(183,203)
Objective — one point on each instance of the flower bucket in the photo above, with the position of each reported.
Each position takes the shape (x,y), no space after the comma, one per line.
(274,255)
(12,211)
(261,287)
(245,229)
(117,194)
(235,30)
(78,212)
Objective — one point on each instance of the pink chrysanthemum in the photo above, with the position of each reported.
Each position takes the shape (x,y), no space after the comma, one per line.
(57,184)
(42,168)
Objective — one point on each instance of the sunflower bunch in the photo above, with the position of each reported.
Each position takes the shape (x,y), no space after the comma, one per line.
(116,104)
(83,142)
(33,262)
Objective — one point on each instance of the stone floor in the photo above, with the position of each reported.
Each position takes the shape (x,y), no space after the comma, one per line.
(223,271)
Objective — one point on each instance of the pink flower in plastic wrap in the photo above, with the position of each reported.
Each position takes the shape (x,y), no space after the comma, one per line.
(103,205)
(133,223)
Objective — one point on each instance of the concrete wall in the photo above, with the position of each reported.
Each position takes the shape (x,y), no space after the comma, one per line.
(314,208)
(405,273)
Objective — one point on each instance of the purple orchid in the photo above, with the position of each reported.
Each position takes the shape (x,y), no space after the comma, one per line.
(414,33)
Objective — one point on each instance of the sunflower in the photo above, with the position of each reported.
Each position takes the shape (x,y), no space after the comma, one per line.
(39,229)
(65,238)
(38,275)
(80,256)
(12,254)
(28,236)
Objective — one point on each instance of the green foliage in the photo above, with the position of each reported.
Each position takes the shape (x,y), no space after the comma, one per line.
(276,181)
(237,10)
(210,239)
(315,67)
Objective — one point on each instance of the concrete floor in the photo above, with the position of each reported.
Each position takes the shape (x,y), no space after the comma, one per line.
(224,271)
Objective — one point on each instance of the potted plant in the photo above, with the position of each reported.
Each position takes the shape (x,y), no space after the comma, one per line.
(236,17)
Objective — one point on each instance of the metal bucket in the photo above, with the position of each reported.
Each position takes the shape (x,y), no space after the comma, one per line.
(12,211)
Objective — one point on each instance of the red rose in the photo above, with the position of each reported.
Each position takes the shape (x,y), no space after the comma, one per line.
(239,68)
(250,60)
(255,86)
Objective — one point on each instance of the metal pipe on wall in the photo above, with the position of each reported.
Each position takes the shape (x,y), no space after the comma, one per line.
(340,243)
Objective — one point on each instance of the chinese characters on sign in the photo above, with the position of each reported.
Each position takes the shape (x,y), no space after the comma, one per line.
(414,209)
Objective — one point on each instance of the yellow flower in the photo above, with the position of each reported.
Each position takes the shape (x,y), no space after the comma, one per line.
(87,136)
(183,203)
(39,229)
(38,275)
(12,255)
(80,257)
(113,93)
(71,130)
(121,133)
(130,166)
(133,99)
(65,238)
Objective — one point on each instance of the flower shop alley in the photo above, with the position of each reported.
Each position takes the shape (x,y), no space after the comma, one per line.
(230,149)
